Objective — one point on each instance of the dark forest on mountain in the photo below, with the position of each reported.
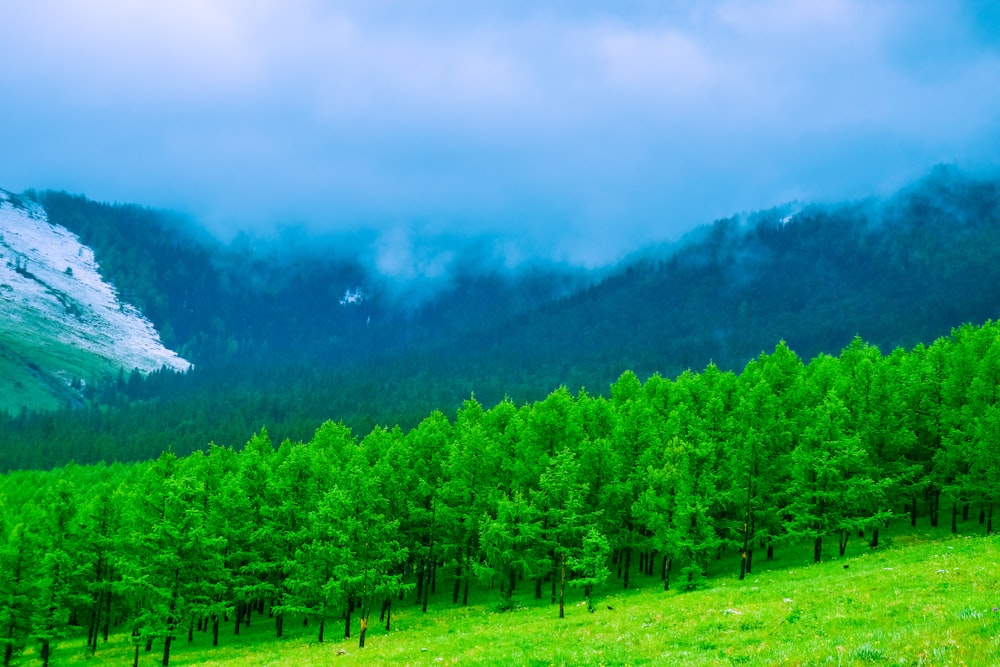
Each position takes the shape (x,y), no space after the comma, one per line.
(273,346)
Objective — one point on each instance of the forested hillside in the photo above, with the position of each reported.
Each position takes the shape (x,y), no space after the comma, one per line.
(289,299)
(273,346)
(654,480)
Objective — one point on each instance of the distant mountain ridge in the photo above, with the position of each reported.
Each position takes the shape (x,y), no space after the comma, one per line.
(273,344)
(63,326)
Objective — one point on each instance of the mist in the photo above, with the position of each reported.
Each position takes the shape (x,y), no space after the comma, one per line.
(574,134)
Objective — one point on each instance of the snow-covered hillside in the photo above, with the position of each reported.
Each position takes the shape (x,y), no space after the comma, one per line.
(51,290)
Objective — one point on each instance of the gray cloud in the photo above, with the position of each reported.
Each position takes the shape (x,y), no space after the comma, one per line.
(576,133)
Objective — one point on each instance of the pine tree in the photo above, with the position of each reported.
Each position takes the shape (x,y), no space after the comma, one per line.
(591,564)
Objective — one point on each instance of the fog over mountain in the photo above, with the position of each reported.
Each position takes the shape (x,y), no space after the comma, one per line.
(576,132)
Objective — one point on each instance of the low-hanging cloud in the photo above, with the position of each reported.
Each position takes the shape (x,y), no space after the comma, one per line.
(576,133)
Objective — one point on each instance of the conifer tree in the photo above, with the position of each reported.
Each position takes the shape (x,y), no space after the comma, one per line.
(591,564)
(19,556)
(58,585)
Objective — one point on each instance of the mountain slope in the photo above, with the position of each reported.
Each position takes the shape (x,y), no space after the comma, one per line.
(279,349)
(63,327)
(896,272)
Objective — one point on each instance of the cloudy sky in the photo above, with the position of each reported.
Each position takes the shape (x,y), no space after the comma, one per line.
(576,130)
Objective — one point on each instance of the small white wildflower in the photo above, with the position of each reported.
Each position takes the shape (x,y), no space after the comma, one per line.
(789,600)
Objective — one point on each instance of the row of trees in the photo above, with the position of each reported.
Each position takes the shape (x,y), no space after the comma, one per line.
(657,478)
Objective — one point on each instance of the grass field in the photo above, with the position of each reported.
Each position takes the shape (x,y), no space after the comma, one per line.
(36,367)
(928,598)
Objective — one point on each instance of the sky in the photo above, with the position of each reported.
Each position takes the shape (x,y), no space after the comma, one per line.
(576,131)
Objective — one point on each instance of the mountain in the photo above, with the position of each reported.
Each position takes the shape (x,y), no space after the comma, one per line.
(896,271)
(64,327)
(287,334)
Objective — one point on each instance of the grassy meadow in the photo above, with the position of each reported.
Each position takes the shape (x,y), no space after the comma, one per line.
(924,598)
(37,366)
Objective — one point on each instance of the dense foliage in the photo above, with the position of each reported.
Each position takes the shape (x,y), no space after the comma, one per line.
(656,479)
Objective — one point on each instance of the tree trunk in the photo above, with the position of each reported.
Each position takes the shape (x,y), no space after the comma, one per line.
(215,630)
(552,556)
(347,622)
(562,587)
(364,631)
(965,512)
(322,627)
(954,517)
(744,561)
(388,616)
(818,549)
(913,511)
(107,609)
(95,618)
(628,565)
(171,620)
(466,568)
(667,564)
(420,583)
(95,621)
(430,581)
(279,625)
(239,617)
(989,519)
(874,542)
(842,542)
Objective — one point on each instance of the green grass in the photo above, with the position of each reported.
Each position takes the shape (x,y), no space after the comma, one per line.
(35,366)
(928,599)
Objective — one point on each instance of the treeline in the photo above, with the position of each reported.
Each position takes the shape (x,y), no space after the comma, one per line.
(272,344)
(658,479)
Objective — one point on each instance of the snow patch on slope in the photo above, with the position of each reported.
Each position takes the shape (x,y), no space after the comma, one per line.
(51,280)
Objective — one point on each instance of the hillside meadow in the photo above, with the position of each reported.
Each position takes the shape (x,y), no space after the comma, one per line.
(925,598)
